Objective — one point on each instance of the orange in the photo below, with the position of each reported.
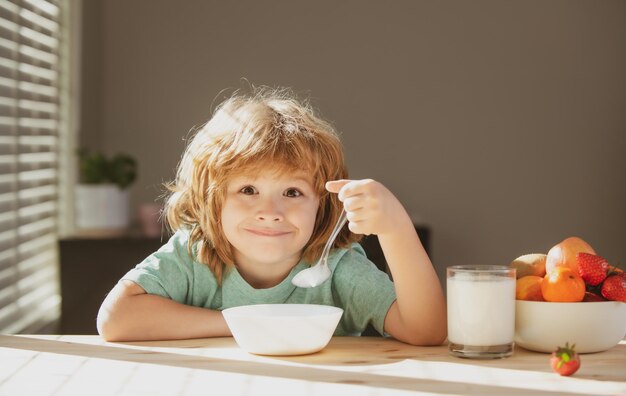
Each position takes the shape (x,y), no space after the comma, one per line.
(563,254)
(529,288)
(561,284)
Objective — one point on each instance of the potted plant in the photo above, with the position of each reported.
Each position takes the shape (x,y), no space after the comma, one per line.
(102,200)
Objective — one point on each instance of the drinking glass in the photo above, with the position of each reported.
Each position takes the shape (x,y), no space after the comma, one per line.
(481,311)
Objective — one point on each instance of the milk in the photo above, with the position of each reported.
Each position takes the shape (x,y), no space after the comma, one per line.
(481,310)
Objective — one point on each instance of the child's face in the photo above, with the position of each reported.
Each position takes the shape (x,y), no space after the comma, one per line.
(269,217)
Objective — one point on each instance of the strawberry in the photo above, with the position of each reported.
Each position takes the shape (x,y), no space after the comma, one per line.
(592,268)
(592,297)
(614,287)
(565,360)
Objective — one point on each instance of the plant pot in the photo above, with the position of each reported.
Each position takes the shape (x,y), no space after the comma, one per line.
(149,216)
(101,209)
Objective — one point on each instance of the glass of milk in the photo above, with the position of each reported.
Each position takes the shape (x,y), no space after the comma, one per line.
(481,311)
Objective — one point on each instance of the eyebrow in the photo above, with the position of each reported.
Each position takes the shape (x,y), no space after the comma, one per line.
(247,179)
(303,179)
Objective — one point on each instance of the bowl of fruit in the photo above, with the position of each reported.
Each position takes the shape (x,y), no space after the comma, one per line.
(570,295)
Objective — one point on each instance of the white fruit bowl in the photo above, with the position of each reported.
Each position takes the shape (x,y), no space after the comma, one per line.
(282,329)
(592,326)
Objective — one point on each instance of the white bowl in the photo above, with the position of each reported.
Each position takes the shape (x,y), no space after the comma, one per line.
(592,326)
(282,329)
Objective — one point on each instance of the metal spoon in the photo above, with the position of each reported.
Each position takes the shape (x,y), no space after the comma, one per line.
(318,273)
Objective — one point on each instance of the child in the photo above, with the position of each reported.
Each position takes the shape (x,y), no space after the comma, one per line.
(255,198)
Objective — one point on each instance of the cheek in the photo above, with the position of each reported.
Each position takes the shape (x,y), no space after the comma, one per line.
(309,217)
(228,217)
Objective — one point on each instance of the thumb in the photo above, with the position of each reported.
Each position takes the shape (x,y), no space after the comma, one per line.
(334,186)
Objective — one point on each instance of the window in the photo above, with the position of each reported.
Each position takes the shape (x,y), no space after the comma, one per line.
(34,95)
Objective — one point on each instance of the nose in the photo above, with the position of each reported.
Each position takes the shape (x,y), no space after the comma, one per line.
(269,210)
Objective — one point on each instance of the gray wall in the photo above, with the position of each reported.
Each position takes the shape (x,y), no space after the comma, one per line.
(501,125)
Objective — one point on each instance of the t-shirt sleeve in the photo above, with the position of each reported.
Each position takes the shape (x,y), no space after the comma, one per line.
(365,293)
(167,272)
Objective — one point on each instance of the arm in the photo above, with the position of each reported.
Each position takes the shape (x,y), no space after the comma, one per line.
(418,316)
(128,313)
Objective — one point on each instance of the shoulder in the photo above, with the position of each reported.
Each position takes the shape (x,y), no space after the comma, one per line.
(172,271)
(355,254)
(350,261)
(172,260)
(177,242)
(177,248)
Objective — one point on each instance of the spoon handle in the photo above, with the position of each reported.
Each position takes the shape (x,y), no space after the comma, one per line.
(340,223)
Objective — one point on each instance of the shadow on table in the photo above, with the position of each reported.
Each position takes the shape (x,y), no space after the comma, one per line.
(308,373)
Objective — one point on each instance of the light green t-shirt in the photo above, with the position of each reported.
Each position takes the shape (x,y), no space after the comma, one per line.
(363,291)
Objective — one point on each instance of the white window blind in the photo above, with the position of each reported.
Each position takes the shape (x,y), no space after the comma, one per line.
(31,95)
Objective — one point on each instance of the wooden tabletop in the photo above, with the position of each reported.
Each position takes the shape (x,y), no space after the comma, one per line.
(86,365)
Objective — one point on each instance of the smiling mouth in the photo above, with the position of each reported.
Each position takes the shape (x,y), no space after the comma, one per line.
(266,232)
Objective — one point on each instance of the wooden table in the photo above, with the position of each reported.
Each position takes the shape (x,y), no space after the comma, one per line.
(86,365)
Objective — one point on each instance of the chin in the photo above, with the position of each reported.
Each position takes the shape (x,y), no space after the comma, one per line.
(270,256)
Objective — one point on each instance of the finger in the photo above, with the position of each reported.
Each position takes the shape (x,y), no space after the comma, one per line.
(356,216)
(352,204)
(335,185)
(353,188)
(358,227)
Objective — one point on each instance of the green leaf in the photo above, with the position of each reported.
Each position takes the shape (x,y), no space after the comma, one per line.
(122,170)
(95,168)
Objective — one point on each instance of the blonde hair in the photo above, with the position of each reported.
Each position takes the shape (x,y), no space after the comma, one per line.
(268,128)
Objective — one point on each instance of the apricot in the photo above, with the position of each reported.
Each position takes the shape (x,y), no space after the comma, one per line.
(562,284)
(529,264)
(563,254)
(529,288)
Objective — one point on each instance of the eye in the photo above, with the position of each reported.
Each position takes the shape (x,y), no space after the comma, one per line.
(292,192)
(248,190)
